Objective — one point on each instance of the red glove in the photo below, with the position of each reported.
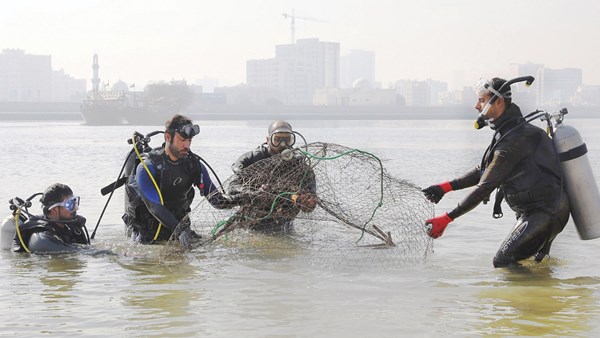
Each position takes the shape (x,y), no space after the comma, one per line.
(438,225)
(435,193)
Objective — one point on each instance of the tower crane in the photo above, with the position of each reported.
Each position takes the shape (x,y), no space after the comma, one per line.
(293,18)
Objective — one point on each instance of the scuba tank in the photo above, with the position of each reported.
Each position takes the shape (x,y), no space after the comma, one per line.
(582,190)
(141,145)
(8,231)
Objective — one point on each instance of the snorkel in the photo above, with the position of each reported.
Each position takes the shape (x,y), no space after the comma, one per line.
(487,86)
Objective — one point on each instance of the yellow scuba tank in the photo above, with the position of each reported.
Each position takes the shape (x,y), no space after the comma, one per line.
(582,190)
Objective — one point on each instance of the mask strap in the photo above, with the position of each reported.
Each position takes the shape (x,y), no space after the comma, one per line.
(491,89)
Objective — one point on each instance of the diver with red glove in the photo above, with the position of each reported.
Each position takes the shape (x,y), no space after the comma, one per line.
(522,164)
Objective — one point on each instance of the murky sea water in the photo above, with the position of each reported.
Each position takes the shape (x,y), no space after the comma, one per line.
(277,293)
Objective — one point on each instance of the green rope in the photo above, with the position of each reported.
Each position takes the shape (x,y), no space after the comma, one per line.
(233,218)
(280,195)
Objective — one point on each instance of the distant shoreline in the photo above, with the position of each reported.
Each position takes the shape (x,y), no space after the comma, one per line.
(76,116)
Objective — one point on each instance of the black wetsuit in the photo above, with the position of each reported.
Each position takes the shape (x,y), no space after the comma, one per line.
(522,163)
(251,157)
(41,236)
(144,210)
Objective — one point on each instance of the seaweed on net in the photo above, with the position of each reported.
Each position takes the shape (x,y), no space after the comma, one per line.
(362,216)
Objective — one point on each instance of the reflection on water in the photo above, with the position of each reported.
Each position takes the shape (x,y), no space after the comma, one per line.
(58,274)
(47,286)
(271,287)
(62,274)
(531,301)
(160,294)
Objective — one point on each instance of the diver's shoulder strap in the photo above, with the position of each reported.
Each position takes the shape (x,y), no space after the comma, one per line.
(155,156)
(34,223)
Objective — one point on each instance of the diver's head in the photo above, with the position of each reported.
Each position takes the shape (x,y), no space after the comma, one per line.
(59,203)
(281,136)
(179,131)
(492,99)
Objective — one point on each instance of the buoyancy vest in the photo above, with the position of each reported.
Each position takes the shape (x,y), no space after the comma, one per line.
(69,234)
(534,182)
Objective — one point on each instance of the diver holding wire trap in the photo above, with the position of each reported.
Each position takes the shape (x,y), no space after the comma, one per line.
(159,185)
(542,176)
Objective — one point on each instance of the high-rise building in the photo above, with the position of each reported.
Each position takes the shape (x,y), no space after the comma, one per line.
(357,65)
(297,70)
(30,78)
(25,77)
(263,73)
(588,96)
(207,84)
(67,88)
(558,86)
(438,91)
(526,97)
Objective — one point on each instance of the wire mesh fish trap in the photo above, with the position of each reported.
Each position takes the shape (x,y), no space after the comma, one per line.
(330,203)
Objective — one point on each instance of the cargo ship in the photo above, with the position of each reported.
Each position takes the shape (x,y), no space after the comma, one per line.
(121,105)
(153,106)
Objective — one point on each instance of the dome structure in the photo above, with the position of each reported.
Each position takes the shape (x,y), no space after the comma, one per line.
(362,83)
(120,86)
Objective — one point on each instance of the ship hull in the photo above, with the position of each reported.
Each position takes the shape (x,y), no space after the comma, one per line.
(98,115)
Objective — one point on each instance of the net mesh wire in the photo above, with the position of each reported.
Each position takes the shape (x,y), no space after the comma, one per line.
(361,215)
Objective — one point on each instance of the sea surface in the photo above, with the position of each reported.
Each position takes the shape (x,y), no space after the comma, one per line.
(135,293)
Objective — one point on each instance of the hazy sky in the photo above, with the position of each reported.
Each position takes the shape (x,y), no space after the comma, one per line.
(457,41)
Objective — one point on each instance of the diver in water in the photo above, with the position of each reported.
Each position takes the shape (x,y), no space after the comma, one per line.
(280,138)
(159,196)
(60,229)
(521,162)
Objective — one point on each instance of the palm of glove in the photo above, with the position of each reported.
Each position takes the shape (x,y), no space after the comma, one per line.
(438,225)
(188,238)
(434,193)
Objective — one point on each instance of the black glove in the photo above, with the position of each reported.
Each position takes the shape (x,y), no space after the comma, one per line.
(435,193)
(240,198)
(188,238)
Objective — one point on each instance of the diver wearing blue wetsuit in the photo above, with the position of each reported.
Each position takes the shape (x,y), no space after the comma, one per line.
(522,163)
(176,170)
(60,229)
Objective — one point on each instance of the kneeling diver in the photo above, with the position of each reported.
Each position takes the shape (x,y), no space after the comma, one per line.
(60,229)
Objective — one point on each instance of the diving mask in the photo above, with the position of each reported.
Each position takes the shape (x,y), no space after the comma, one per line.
(187,130)
(485,86)
(71,204)
(278,139)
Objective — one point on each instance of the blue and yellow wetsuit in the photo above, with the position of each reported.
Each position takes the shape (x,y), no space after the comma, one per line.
(175,180)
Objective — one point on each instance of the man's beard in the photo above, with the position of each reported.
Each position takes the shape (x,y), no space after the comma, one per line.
(176,152)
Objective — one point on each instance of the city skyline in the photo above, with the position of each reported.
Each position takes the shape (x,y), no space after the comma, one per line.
(140,42)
